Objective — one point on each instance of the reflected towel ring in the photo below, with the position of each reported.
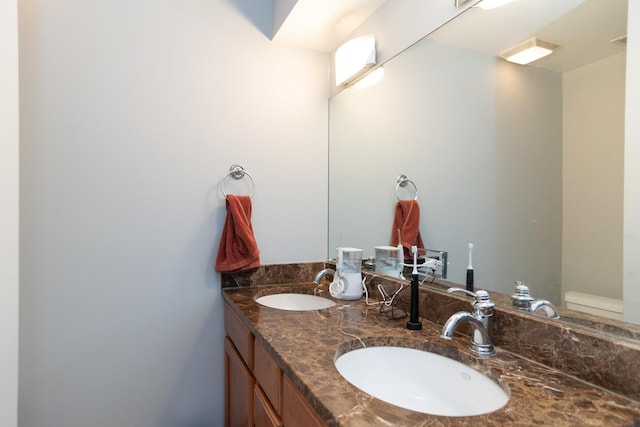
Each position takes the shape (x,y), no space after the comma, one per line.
(402,182)
(237,172)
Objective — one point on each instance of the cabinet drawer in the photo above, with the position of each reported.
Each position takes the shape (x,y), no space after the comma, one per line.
(268,375)
(296,411)
(240,335)
(263,413)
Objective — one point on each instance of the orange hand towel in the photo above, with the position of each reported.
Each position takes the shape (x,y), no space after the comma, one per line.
(238,249)
(407,220)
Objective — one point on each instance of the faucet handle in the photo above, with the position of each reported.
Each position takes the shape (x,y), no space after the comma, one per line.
(464,291)
(523,300)
(480,295)
(522,297)
(482,301)
(483,304)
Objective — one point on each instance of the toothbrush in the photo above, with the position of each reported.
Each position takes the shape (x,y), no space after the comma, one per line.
(414,251)
(470,270)
(414,322)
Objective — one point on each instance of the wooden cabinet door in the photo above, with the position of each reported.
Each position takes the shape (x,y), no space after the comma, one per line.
(263,413)
(239,384)
(268,375)
(296,411)
(240,335)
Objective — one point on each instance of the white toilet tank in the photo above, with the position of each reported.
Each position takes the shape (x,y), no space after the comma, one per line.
(594,304)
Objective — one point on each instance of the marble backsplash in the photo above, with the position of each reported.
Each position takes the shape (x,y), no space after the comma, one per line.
(598,358)
(272,274)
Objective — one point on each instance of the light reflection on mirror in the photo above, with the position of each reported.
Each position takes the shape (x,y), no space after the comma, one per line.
(523,161)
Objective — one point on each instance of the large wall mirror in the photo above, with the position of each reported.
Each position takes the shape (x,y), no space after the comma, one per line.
(525,162)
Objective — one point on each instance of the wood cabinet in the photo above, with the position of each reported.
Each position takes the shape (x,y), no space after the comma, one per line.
(264,415)
(239,380)
(296,411)
(256,391)
(269,375)
(239,334)
(239,384)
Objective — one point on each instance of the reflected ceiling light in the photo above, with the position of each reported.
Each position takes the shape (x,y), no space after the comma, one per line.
(353,59)
(528,51)
(491,4)
(370,79)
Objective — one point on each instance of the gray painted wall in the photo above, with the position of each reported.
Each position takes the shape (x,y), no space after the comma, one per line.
(131,114)
(9,219)
(487,166)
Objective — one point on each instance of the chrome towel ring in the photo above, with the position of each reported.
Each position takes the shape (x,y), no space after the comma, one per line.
(237,172)
(402,182)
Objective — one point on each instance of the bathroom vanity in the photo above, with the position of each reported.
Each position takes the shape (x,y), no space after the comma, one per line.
(256,391)
(280,364)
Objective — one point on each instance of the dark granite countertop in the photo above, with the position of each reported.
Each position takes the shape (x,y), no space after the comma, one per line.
(305,344)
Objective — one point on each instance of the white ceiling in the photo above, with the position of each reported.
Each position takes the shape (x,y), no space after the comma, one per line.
(322,25)
(582,28)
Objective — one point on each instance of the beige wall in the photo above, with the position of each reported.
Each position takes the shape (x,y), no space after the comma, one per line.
(593,168)
(9,166)
(632,172)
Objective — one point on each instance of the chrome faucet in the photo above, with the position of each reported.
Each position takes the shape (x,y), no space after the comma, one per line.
(479,321)
(523,300)
(322,273)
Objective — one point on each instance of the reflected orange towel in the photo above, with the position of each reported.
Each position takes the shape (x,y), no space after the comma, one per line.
(407,220)
(238,249)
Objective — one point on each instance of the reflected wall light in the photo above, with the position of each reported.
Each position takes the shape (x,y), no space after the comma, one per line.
(491,4)
(370,79)
(528,51)
(353,59)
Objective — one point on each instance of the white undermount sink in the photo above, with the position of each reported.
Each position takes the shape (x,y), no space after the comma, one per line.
(295,302)
(421,381)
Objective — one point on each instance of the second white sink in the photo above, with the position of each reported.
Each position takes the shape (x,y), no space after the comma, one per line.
(295,302)
(421,381)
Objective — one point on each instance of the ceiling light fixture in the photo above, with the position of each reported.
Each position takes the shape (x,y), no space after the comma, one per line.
(353,59)
(528,51)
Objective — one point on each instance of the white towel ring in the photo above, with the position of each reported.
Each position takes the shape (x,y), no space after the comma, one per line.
(237,172)
(402,182)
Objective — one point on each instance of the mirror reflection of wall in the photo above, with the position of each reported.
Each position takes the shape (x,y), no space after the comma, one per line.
(523,161)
